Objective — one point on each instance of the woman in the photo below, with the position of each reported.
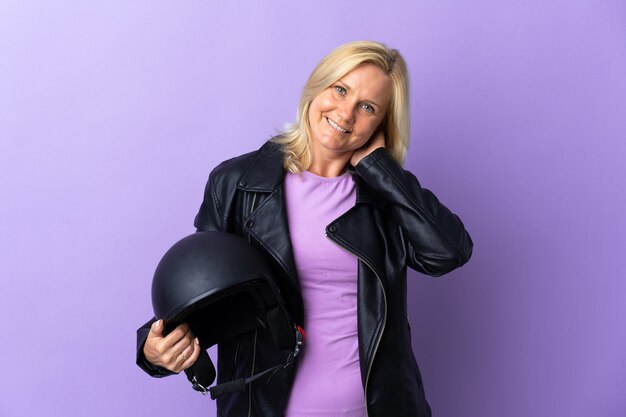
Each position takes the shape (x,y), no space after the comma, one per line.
(330,205)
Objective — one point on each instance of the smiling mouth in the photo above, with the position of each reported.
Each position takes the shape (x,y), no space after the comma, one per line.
(337,127)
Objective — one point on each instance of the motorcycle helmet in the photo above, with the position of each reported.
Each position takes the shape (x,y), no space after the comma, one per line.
(221,286)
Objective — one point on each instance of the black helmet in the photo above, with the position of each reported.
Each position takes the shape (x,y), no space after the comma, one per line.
(221,286)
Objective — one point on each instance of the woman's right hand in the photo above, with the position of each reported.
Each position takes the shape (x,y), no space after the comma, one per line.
(176,352)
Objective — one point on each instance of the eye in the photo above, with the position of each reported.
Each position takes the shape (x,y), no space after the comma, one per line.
(367,107)
(339,89)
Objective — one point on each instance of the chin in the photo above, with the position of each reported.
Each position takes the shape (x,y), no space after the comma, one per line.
(330,143)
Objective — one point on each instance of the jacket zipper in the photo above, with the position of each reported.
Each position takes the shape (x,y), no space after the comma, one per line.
(250,212)
(380,335)
(252,373)
(252,206)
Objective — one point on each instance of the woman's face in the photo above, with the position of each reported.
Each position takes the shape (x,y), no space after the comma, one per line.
(345,115)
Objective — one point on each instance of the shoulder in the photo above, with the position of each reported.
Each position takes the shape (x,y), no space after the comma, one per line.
(262,163)
(237,166)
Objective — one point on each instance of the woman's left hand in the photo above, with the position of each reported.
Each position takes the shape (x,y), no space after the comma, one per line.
(377,141)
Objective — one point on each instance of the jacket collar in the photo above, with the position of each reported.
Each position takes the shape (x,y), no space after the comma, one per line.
(265,173)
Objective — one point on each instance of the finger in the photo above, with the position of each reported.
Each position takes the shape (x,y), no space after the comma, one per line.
(156,330)
(195,353)
(165,344)
(170,346)
(183,347)
(181,358)
(183,342)
(175,335)
(188,351)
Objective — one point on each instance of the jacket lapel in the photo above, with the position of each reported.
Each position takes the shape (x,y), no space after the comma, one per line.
(359,229)
(267,223)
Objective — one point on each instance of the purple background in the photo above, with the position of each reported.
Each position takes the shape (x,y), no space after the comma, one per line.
(113,113)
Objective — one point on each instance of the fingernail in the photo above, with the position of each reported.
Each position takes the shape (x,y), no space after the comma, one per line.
(197,341)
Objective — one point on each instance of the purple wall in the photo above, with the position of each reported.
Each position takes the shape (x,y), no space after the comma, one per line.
(112,114)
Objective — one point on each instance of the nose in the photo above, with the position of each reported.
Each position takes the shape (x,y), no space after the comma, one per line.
(345,111)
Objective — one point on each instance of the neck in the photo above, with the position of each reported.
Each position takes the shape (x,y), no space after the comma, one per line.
(328,169)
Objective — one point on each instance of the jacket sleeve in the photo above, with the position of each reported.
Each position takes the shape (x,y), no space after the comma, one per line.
(436,239)
(208,218)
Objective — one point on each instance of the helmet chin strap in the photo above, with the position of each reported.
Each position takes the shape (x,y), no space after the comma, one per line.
(202,373)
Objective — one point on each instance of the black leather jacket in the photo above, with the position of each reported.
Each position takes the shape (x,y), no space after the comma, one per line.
(395,224)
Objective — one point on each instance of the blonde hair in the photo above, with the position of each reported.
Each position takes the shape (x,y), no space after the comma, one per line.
(296,138)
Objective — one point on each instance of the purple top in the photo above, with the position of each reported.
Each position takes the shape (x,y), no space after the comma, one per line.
(328,379)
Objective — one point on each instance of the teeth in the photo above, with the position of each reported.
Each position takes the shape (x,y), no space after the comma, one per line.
(336,126)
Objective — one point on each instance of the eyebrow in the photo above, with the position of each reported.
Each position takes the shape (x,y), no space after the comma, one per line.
(347,87)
